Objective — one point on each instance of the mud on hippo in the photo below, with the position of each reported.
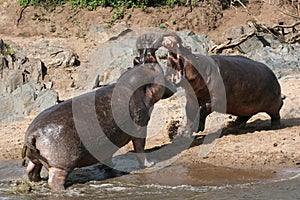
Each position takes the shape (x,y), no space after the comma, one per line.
(228,84)
(55,137)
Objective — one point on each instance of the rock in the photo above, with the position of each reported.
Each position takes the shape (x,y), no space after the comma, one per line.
(26,93)
(54,54)
(12,106)
(284,60)
(233,33)
(59,61)
(13,79)
(45,99)
(270,41)
(115,55)
(110,59)
(21,85)
(102,33)
(24,100)
(198,43)
(250,44)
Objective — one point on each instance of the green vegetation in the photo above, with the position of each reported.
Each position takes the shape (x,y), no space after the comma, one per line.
(9,50)
(119,6)
(92,4)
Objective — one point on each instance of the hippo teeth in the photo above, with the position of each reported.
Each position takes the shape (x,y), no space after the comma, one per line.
(172,78)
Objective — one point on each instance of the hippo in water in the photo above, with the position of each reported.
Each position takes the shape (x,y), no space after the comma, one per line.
(228,84)
(61,140)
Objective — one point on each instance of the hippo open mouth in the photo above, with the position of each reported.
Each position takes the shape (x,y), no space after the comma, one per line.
(175,68)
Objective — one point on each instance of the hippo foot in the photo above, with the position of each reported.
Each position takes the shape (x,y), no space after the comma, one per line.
(148,164)
(201,128)
(276,124)
(57,179)
(144,163)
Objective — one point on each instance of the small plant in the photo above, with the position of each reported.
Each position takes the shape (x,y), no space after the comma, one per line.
(162,26)
(173,2)
(9,50)
(74,21)
(118,13)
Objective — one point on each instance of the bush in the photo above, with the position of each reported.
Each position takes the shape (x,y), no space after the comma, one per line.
(92,4)
(119,6)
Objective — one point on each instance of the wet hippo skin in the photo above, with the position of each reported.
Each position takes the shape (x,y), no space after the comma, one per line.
(53,141)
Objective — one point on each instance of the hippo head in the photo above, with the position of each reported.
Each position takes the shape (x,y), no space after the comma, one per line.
(147,44)
(150,78)
(175,62)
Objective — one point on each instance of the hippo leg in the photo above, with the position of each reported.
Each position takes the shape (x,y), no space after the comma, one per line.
(203,112)
(275,121)
(240,121)
(57,178)
(195,117)
(275,116)
(199,121)
(33,170)
(139,145)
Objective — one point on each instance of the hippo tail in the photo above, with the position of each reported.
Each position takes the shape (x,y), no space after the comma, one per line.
(29,144)
(24,149)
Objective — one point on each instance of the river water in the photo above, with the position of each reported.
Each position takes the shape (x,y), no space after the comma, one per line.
(173,182)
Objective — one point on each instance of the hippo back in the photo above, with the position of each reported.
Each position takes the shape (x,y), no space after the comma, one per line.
(248,82)
(54,135)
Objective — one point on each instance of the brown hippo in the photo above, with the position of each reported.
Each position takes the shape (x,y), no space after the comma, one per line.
(219,83)
(229,84)
(61,140)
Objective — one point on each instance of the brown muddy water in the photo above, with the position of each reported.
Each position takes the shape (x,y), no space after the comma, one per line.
(176,181)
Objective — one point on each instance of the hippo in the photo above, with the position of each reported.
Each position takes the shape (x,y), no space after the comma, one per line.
(228,84)
(53,140)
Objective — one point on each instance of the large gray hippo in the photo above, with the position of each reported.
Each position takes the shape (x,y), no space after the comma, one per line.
(63,137)
(228,84)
